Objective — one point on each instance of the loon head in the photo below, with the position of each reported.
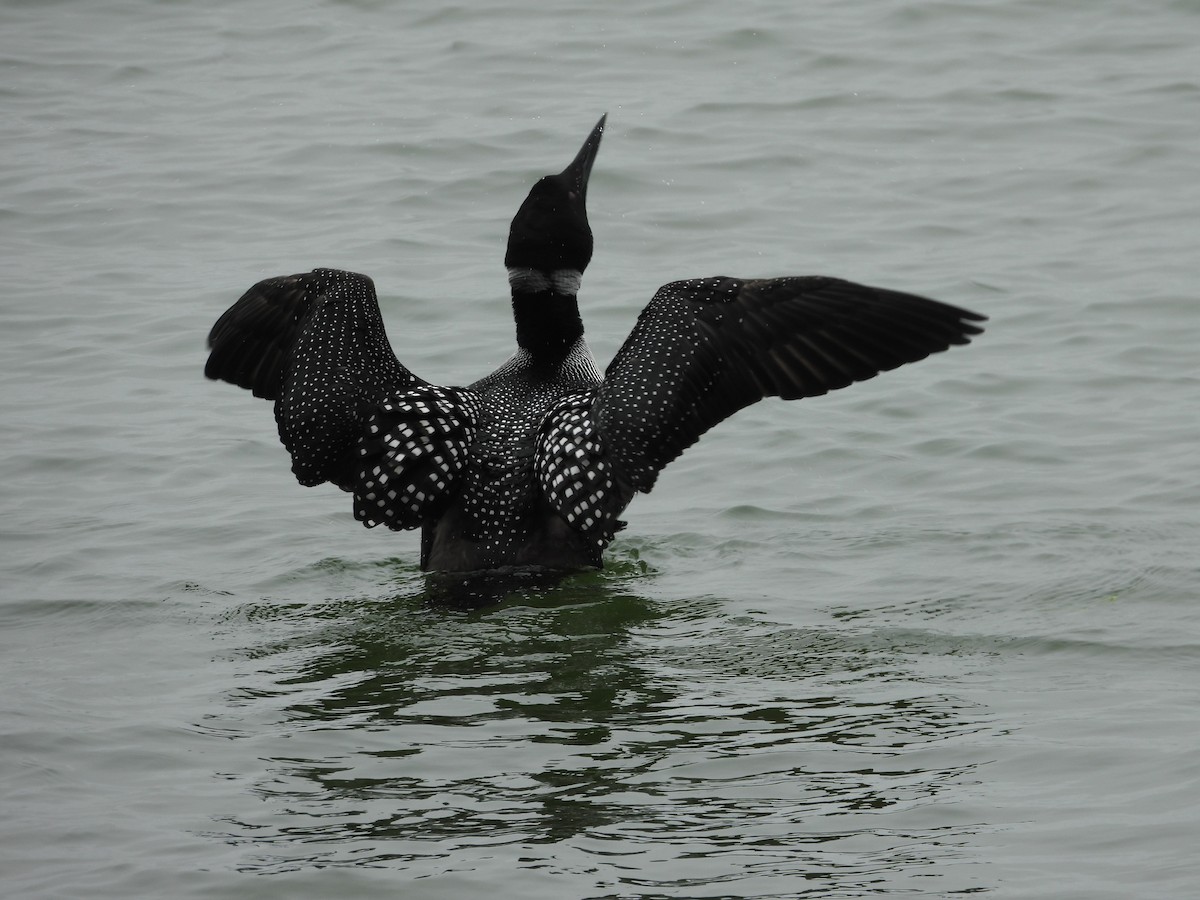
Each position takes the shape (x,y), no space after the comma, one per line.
(550,241)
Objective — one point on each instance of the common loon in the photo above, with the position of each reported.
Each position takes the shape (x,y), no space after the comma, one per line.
(531,466)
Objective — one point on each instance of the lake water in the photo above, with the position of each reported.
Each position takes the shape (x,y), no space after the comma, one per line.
(935,634)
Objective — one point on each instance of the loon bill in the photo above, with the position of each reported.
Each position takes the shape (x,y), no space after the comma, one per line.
(532,465)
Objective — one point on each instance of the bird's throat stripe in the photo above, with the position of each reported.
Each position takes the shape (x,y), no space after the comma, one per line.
(560,281)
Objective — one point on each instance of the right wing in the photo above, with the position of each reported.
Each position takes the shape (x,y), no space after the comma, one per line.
(575,470)
(705,348)
(315,344)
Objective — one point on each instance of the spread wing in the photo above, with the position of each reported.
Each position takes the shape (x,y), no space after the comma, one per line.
(705,348)
(315,344)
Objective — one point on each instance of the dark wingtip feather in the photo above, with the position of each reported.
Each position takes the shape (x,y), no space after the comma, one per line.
(252,340)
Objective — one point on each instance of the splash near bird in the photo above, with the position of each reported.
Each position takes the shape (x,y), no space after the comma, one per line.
(532,465)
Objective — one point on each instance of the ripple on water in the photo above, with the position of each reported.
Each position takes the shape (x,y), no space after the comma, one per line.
(584,728)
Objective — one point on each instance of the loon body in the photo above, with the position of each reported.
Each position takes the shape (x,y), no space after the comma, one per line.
(532,465)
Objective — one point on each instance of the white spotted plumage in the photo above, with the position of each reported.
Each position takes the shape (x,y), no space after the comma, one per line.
(414,447)
(575,472)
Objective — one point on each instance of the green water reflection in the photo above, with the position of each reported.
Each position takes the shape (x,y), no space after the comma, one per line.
(584,724)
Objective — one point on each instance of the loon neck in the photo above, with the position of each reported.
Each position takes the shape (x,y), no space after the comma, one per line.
(548,324)
(546,312)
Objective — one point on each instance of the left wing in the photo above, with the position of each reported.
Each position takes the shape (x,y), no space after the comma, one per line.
(411,455)
(315,344)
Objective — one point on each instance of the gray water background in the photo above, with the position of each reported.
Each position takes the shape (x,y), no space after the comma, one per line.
(934,634)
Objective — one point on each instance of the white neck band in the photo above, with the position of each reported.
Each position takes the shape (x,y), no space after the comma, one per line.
(560,281)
